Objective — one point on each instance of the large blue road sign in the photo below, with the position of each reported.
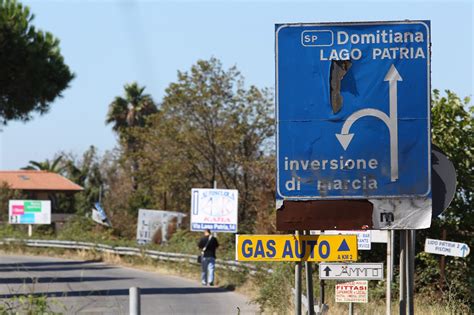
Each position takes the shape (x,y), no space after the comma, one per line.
(353,108)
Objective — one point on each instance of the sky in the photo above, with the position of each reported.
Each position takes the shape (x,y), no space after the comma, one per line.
(110,43)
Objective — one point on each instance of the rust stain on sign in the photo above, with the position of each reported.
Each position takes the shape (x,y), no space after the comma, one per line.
(325,215)
(339,69)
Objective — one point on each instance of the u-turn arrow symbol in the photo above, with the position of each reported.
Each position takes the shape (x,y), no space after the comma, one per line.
(391,121)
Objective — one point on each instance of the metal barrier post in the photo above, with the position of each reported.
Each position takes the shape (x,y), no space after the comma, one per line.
(134,301)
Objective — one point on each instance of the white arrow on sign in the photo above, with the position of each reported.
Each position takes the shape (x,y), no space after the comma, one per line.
(391,121)
(448,248)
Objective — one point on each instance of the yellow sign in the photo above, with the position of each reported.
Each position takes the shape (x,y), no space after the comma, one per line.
(296,248)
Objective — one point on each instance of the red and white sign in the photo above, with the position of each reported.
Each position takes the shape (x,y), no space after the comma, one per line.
(352,292)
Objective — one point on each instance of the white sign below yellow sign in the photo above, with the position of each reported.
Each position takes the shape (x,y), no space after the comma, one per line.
(351,271)
(352,292)
(296,248)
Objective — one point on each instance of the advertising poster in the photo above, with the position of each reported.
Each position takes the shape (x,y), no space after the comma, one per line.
(214,209)
(352,292)
(29,212)
(157,225)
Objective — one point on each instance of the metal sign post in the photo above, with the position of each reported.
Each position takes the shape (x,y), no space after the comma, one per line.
(410,255)
(309,284)
(297,284)
(321,294)
(389,274)
(309,287)
(402,267)
(392,245)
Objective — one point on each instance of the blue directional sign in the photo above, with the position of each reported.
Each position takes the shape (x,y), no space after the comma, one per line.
(353,108)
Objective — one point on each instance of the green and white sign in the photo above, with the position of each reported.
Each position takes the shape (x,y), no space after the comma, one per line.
(29,212)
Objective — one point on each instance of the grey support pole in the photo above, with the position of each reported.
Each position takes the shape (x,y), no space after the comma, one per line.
(321,294)
(351,308)
(403,265)
(392,262)
(309,284)
(389,274)
(297,284)
(410,256)
(134,301)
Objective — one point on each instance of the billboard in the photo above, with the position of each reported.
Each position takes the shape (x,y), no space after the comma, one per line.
(29,212)
(157,225)
(214,209)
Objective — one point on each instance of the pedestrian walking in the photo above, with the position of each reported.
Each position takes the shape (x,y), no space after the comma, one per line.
(208,245)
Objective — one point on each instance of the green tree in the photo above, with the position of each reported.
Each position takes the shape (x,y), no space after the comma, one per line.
(85,172)
(33,71)
(118,193)
(453,132)
(210,128)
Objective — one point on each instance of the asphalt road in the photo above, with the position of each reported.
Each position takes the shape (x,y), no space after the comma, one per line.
(89,287)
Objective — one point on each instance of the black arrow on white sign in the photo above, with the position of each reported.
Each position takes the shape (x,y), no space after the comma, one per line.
(327,270)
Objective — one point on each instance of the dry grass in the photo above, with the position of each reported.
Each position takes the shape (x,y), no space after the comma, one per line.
(421,308)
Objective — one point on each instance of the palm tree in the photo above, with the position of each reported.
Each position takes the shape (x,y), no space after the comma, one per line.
(54,166)
(131,110)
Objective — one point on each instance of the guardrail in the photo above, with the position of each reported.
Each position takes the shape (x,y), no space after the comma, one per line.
(131,251)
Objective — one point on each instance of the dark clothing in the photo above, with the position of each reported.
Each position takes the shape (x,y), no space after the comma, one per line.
(211,247)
